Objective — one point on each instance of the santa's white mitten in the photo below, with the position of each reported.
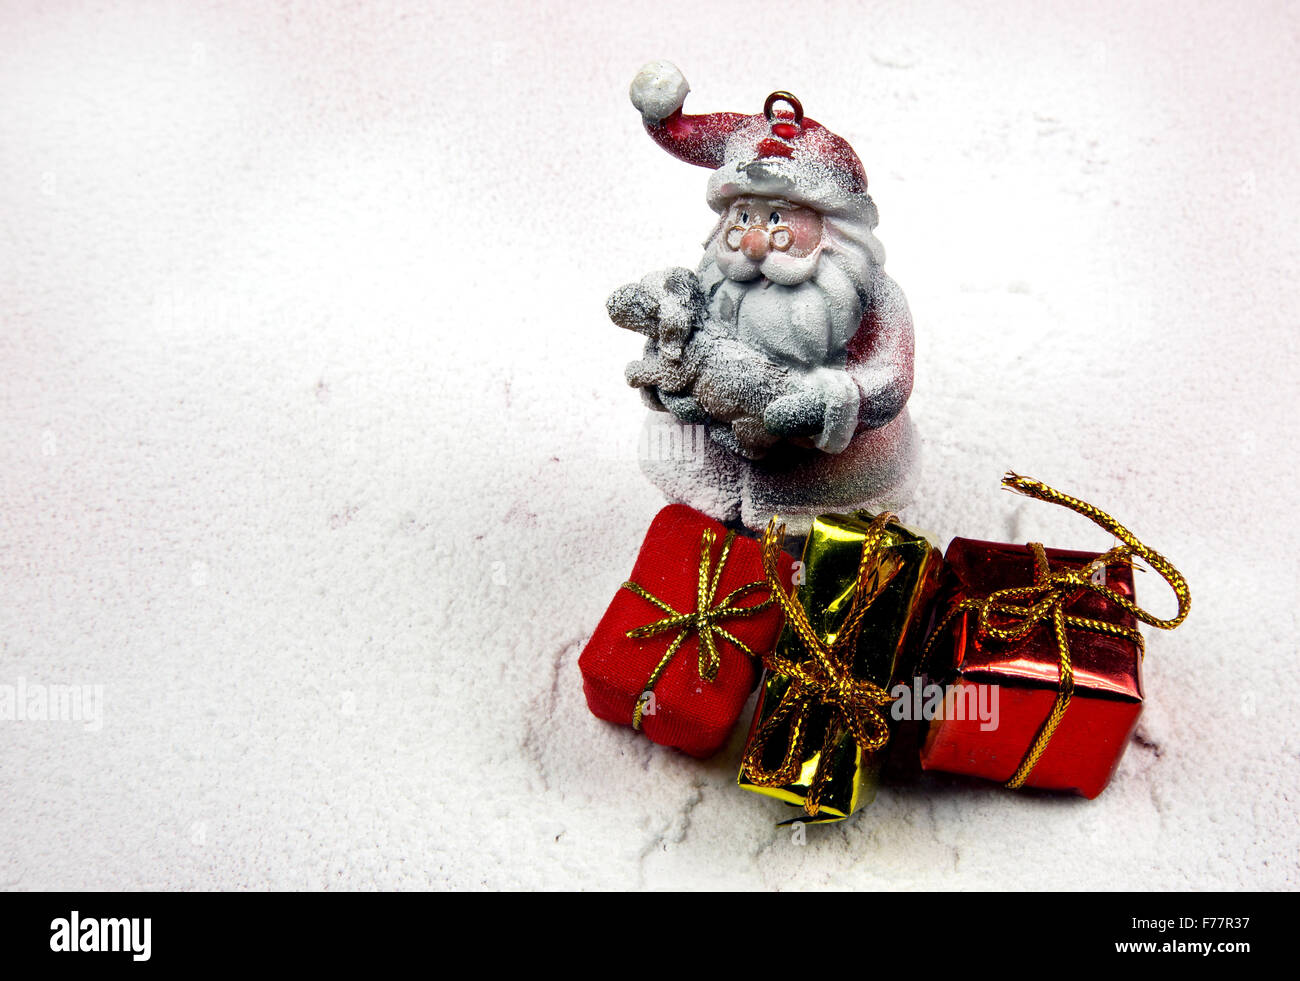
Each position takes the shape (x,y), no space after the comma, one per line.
(658,90)
(825,408)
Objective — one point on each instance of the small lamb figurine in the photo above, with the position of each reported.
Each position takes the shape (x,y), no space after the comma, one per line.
(692,368)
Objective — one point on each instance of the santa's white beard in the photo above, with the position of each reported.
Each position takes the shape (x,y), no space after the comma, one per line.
(802,310)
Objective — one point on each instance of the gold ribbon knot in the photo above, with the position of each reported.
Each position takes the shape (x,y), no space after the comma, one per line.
(702,620)
(1010,615)
(825,677)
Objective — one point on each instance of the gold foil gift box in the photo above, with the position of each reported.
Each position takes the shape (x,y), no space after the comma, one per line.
(853,629)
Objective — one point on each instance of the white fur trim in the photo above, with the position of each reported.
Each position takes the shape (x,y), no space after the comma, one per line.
(658,90)
(781,177)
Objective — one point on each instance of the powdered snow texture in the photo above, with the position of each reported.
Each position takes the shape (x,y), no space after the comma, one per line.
(317,454)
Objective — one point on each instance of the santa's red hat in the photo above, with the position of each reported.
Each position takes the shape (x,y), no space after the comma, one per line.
(776,153)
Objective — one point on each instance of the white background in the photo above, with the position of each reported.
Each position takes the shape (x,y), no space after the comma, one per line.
(316,453)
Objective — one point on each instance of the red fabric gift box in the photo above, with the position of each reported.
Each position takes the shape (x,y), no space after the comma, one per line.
(689,563)
(1107,697)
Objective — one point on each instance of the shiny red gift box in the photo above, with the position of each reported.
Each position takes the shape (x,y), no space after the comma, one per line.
(1087,745)
(683,708)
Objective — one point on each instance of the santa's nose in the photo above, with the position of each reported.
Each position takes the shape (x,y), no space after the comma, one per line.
(754,244)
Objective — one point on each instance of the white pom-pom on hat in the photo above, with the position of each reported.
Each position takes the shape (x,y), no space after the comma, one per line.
(658,90)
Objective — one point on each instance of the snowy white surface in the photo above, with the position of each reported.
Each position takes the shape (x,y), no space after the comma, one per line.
(316,452)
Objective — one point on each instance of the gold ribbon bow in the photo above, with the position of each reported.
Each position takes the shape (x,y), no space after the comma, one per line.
(825,677)
(1011,614)
(703,619)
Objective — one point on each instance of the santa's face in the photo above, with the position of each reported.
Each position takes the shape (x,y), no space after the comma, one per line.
(771,238)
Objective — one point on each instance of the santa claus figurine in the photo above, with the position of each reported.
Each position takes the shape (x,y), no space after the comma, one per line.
(779,370)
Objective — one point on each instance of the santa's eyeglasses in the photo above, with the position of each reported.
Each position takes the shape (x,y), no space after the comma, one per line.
(779,237)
